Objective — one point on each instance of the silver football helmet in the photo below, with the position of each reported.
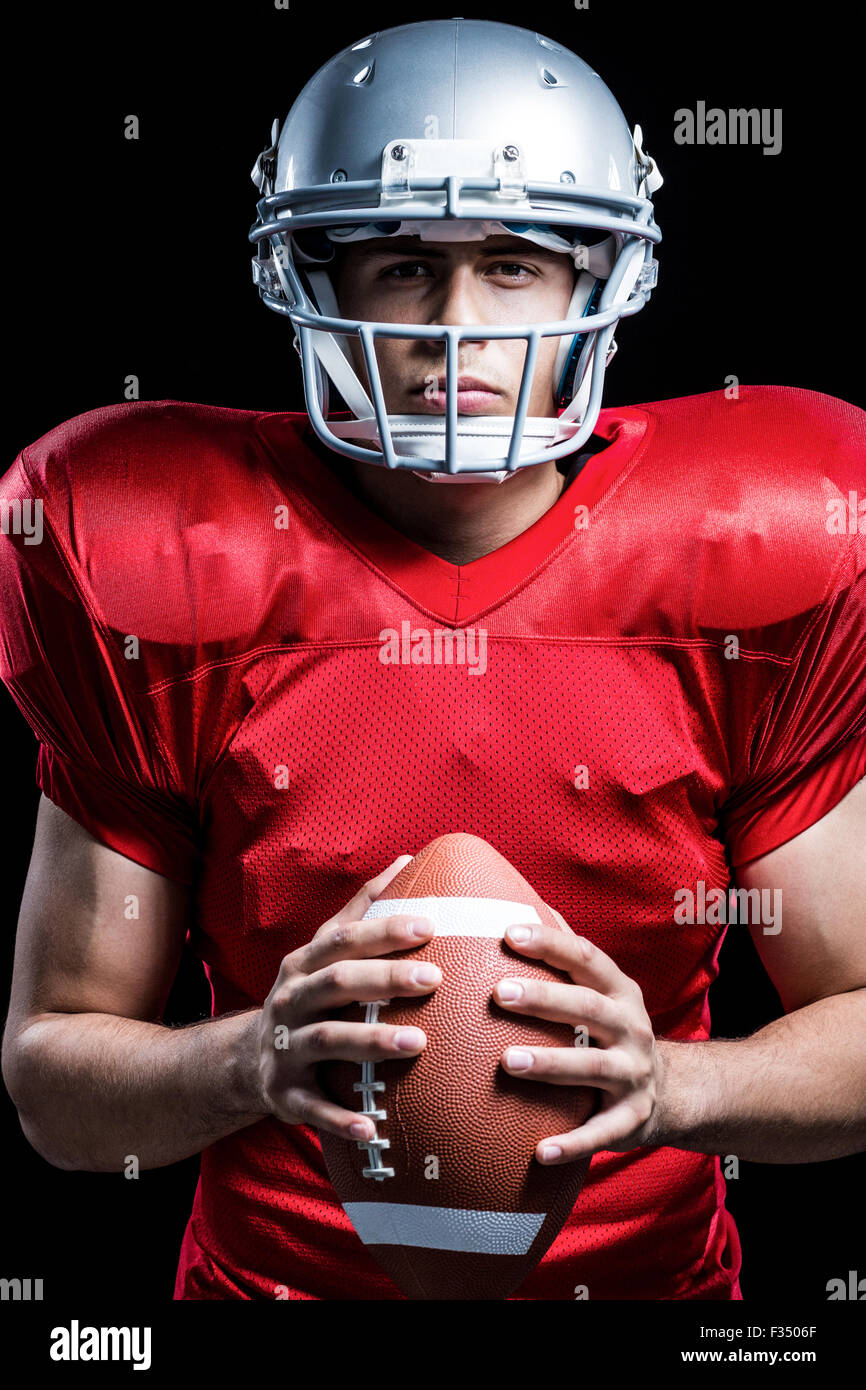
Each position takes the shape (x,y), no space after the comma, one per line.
(455,129)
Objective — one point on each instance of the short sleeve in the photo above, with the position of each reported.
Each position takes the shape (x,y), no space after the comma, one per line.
(101,756)
(807,744)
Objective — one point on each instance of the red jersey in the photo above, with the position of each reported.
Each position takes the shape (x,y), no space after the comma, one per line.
(674,683)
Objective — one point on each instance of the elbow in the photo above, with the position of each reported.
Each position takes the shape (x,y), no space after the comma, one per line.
(20,1077)
(14,1077)
(42,1145)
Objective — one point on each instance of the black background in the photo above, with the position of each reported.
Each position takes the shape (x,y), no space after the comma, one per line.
(132,258)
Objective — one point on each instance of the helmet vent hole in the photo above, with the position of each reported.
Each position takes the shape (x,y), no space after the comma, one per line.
(364,75)
(548,78)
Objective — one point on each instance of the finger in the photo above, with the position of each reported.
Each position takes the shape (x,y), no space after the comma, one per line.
(358,941)
(573,954)
(306,1105)
(360,981)
(606,1129)
(608,1068)
(333,1039)
(604,1018)
(370,891)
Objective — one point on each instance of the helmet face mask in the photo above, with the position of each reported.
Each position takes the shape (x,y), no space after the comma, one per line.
(476,281)
(535,147)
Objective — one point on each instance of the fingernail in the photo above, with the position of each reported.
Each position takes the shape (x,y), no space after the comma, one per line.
(520,934)
(409,1038)
(420,926)
(518,1058)
(426,974)
(360,1130)
(551,1151)
(509,989)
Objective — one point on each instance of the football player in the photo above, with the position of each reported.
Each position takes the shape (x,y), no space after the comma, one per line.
(231,669)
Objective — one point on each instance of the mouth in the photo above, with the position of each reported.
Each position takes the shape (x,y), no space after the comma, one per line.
(474,396)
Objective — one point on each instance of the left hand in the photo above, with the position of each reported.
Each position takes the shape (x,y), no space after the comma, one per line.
(625,1066)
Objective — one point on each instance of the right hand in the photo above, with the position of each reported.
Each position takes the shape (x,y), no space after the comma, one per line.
(339,966)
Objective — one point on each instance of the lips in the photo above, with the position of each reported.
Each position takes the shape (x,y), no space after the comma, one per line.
(474,396)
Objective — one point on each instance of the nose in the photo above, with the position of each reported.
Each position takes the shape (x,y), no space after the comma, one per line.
(456,303)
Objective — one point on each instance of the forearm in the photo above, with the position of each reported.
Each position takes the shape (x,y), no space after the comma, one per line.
(794,1092)
(93,1089)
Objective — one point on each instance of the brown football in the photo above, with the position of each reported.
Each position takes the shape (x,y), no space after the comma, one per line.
(449,1197)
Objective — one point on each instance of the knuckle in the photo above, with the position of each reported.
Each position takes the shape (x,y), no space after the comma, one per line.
(304,961)
(339,975)
(288,969)
(278,1015)
(285,1053)
(320,1037)
(640,1109)
(343,936)
(279,1101)
(280,1000)
(300,1106)
(647,1079)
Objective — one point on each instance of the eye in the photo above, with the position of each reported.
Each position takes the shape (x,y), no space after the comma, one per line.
(417,270)
(513,269)
(396,271)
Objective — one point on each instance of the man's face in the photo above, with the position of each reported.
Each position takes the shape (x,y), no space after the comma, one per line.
(500,280)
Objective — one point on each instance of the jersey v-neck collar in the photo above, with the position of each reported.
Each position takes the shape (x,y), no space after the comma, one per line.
(457,594)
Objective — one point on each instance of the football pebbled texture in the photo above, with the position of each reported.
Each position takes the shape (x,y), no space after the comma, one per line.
(449,1198)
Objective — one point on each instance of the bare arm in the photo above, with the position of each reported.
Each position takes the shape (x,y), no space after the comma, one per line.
(93,1073)
(96,1077)
(794,1092)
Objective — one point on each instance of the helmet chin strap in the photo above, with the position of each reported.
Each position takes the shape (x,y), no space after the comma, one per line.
(481,437)
(498,477)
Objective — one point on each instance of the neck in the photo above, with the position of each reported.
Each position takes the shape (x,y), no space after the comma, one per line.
(457,523)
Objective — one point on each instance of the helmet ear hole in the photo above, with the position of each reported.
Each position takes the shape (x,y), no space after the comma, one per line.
(312,246)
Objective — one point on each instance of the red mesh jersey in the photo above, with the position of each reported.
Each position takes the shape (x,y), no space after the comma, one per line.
(673,684)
